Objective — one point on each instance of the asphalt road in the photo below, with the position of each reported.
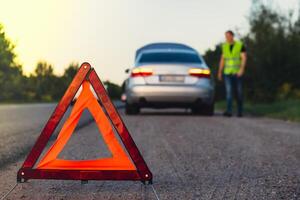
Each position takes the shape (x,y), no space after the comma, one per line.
(20,125)
(191,157)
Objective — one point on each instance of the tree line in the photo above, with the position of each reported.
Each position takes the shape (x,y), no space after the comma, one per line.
(273,49)
(272,72)
(42,85)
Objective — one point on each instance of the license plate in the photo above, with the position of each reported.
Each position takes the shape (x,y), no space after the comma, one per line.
(169,78)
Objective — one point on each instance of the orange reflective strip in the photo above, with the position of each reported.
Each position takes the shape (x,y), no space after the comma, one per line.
(119,159)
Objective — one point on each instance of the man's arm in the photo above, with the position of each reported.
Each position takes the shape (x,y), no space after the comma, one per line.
(221,66)
(243,64)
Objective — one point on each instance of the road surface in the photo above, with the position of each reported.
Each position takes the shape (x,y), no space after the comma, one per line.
(191,157)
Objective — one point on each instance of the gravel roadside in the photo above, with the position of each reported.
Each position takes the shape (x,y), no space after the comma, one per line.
(191,157)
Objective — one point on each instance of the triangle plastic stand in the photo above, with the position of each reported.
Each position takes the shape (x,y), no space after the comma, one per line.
(117,167)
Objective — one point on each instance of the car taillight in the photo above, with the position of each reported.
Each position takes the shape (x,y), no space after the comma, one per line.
(141,71)
(201,73)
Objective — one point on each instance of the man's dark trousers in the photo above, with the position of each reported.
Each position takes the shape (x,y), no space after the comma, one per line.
(233,83)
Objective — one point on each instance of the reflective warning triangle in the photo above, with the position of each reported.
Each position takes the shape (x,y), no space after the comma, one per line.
(117,167)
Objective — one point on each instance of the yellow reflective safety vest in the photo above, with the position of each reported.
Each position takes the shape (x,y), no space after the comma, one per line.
(232,59)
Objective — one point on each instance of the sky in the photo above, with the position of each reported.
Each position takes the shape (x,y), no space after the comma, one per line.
(107,33)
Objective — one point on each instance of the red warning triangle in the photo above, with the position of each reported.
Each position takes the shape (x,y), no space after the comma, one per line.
(117,167)
(87,100)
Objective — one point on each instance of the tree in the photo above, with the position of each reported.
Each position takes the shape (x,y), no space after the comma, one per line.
(11,78)
(273,48)
(212,58)
(42,85)
(70,72)
(114,91)
(44,82)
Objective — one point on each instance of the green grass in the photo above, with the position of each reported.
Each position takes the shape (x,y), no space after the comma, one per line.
(287,109)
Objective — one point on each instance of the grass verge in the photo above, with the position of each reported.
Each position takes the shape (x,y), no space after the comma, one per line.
(287,109)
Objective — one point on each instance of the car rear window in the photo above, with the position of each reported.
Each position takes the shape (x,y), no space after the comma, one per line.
(168,57)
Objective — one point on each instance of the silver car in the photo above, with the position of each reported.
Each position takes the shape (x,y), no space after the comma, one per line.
(169,75)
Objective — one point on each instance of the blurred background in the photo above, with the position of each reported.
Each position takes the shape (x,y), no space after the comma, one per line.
(42,44)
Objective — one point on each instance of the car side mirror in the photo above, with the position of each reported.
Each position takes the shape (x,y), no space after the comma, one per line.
(127,71)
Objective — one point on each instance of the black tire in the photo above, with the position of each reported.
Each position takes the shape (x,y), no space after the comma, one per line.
(196,110)
(208,110)
(132,109)
(204,109)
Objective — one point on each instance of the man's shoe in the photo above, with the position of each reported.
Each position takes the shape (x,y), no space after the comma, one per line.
(227,114)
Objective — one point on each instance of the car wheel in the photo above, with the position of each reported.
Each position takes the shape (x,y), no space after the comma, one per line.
(203,109)
(132,109)
(208,110)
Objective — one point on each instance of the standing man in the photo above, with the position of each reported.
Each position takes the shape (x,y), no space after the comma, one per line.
(232,66)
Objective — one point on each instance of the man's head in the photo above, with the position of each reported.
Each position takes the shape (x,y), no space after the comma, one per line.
(229,35)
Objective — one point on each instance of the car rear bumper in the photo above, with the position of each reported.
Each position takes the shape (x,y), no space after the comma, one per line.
(175,96)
